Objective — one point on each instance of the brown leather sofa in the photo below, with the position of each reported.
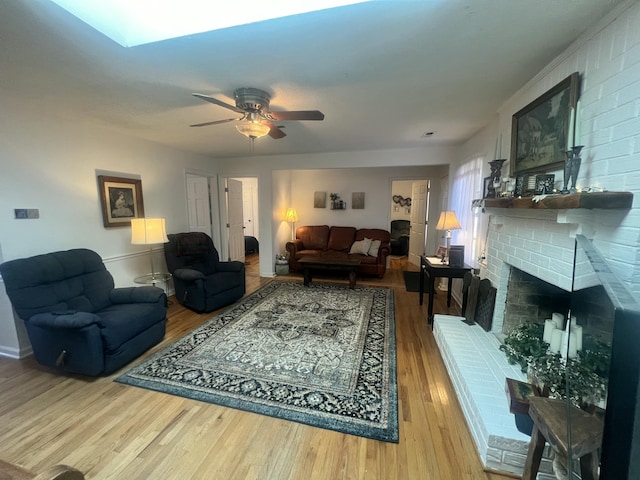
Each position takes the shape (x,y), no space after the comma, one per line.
(337,242)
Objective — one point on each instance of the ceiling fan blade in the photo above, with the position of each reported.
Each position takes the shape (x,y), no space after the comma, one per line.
(275,131)
(216,122)
(215,101)
(296,115)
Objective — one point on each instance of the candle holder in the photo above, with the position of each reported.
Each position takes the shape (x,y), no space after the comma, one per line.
(496,176)
(571,169)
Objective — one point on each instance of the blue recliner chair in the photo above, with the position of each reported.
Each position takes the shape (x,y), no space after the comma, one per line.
(202,282)
(76,320)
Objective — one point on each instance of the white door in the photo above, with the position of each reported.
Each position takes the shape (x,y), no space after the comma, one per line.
(234,220)
(248,215)
(198,204)
(419,209)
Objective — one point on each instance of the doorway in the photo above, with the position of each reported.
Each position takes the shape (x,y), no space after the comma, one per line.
(409,207)
(250,219)
(225,209)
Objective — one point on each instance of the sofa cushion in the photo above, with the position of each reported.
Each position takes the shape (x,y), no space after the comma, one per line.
(374,234)
(373,249)
(314,237)
(361,246)
(341,238)
(306,253)
(122,322)
(364,259)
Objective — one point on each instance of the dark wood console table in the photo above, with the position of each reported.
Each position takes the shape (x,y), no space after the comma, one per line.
(433,267)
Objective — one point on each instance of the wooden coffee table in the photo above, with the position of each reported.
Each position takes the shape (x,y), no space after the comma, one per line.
(329,264)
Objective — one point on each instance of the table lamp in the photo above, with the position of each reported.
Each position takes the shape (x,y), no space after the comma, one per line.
(448,221)
(148,231)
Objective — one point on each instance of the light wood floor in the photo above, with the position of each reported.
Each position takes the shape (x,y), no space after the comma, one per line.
(113,431)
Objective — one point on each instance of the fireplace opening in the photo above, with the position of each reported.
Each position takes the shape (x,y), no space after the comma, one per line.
(531,299)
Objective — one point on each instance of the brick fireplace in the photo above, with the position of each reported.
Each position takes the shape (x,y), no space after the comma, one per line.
(530,257)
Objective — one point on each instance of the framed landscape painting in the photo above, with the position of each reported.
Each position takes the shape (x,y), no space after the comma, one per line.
(121,200)
(540,131)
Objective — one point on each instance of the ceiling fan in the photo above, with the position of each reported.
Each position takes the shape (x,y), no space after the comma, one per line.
(256,119)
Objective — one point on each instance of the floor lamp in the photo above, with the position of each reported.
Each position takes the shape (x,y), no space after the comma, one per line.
(148,231)
(448,221)
(292,217)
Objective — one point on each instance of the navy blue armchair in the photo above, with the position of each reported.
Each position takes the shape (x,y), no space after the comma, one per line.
(202,282)
(76,320)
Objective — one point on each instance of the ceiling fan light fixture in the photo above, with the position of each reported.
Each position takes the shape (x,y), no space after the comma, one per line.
(253,129)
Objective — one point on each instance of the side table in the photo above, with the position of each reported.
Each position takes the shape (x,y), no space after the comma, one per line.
(432,267)
(153,278)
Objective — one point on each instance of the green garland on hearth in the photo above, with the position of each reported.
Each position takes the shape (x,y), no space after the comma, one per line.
(587,373)
(523,344)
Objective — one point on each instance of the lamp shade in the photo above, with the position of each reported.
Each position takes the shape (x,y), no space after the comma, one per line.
(291,215)
(253,129)
(448,221)
(148,231)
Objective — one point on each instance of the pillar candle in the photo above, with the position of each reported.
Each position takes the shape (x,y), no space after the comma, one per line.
(578,331)
(556,341)
(572,349)
(559,319)
(576,131)
(549,327)
(570,134)
(563,344)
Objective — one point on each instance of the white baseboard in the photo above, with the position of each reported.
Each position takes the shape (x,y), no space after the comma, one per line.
(15,353)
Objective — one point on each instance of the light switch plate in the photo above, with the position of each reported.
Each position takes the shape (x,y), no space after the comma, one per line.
(26,213)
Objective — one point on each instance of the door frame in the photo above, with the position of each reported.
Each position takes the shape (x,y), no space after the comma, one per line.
(214,203)
(221,201)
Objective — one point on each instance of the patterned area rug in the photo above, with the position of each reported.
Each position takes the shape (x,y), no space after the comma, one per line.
(322,355)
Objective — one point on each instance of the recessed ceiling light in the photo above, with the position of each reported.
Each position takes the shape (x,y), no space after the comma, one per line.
(136,22)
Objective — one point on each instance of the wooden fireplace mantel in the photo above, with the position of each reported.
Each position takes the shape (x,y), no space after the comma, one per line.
(604,200)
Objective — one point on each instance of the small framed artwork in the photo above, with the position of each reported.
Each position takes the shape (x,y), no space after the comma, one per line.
(485,187)
(541,132)
(544,184)
(121,200)
(320,200)
(357,200)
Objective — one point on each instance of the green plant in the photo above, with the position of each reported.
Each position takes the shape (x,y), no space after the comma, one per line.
(523,344)
(587,374)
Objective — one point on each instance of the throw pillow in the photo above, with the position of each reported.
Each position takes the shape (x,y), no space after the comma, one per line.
(373,249)
(361,246)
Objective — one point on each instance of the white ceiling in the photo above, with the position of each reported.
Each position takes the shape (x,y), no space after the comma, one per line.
(383,73)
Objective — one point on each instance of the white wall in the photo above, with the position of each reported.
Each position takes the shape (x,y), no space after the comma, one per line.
(402,188)
(344,169)
(608,59)
(52,164)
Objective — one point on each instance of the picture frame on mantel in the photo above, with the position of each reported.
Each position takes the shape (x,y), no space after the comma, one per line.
(121,200)
(540,131)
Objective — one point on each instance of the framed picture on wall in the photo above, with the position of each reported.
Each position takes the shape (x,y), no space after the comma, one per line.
(540,131)
(357,200)
(320,200)
(485,187)
(121,200)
